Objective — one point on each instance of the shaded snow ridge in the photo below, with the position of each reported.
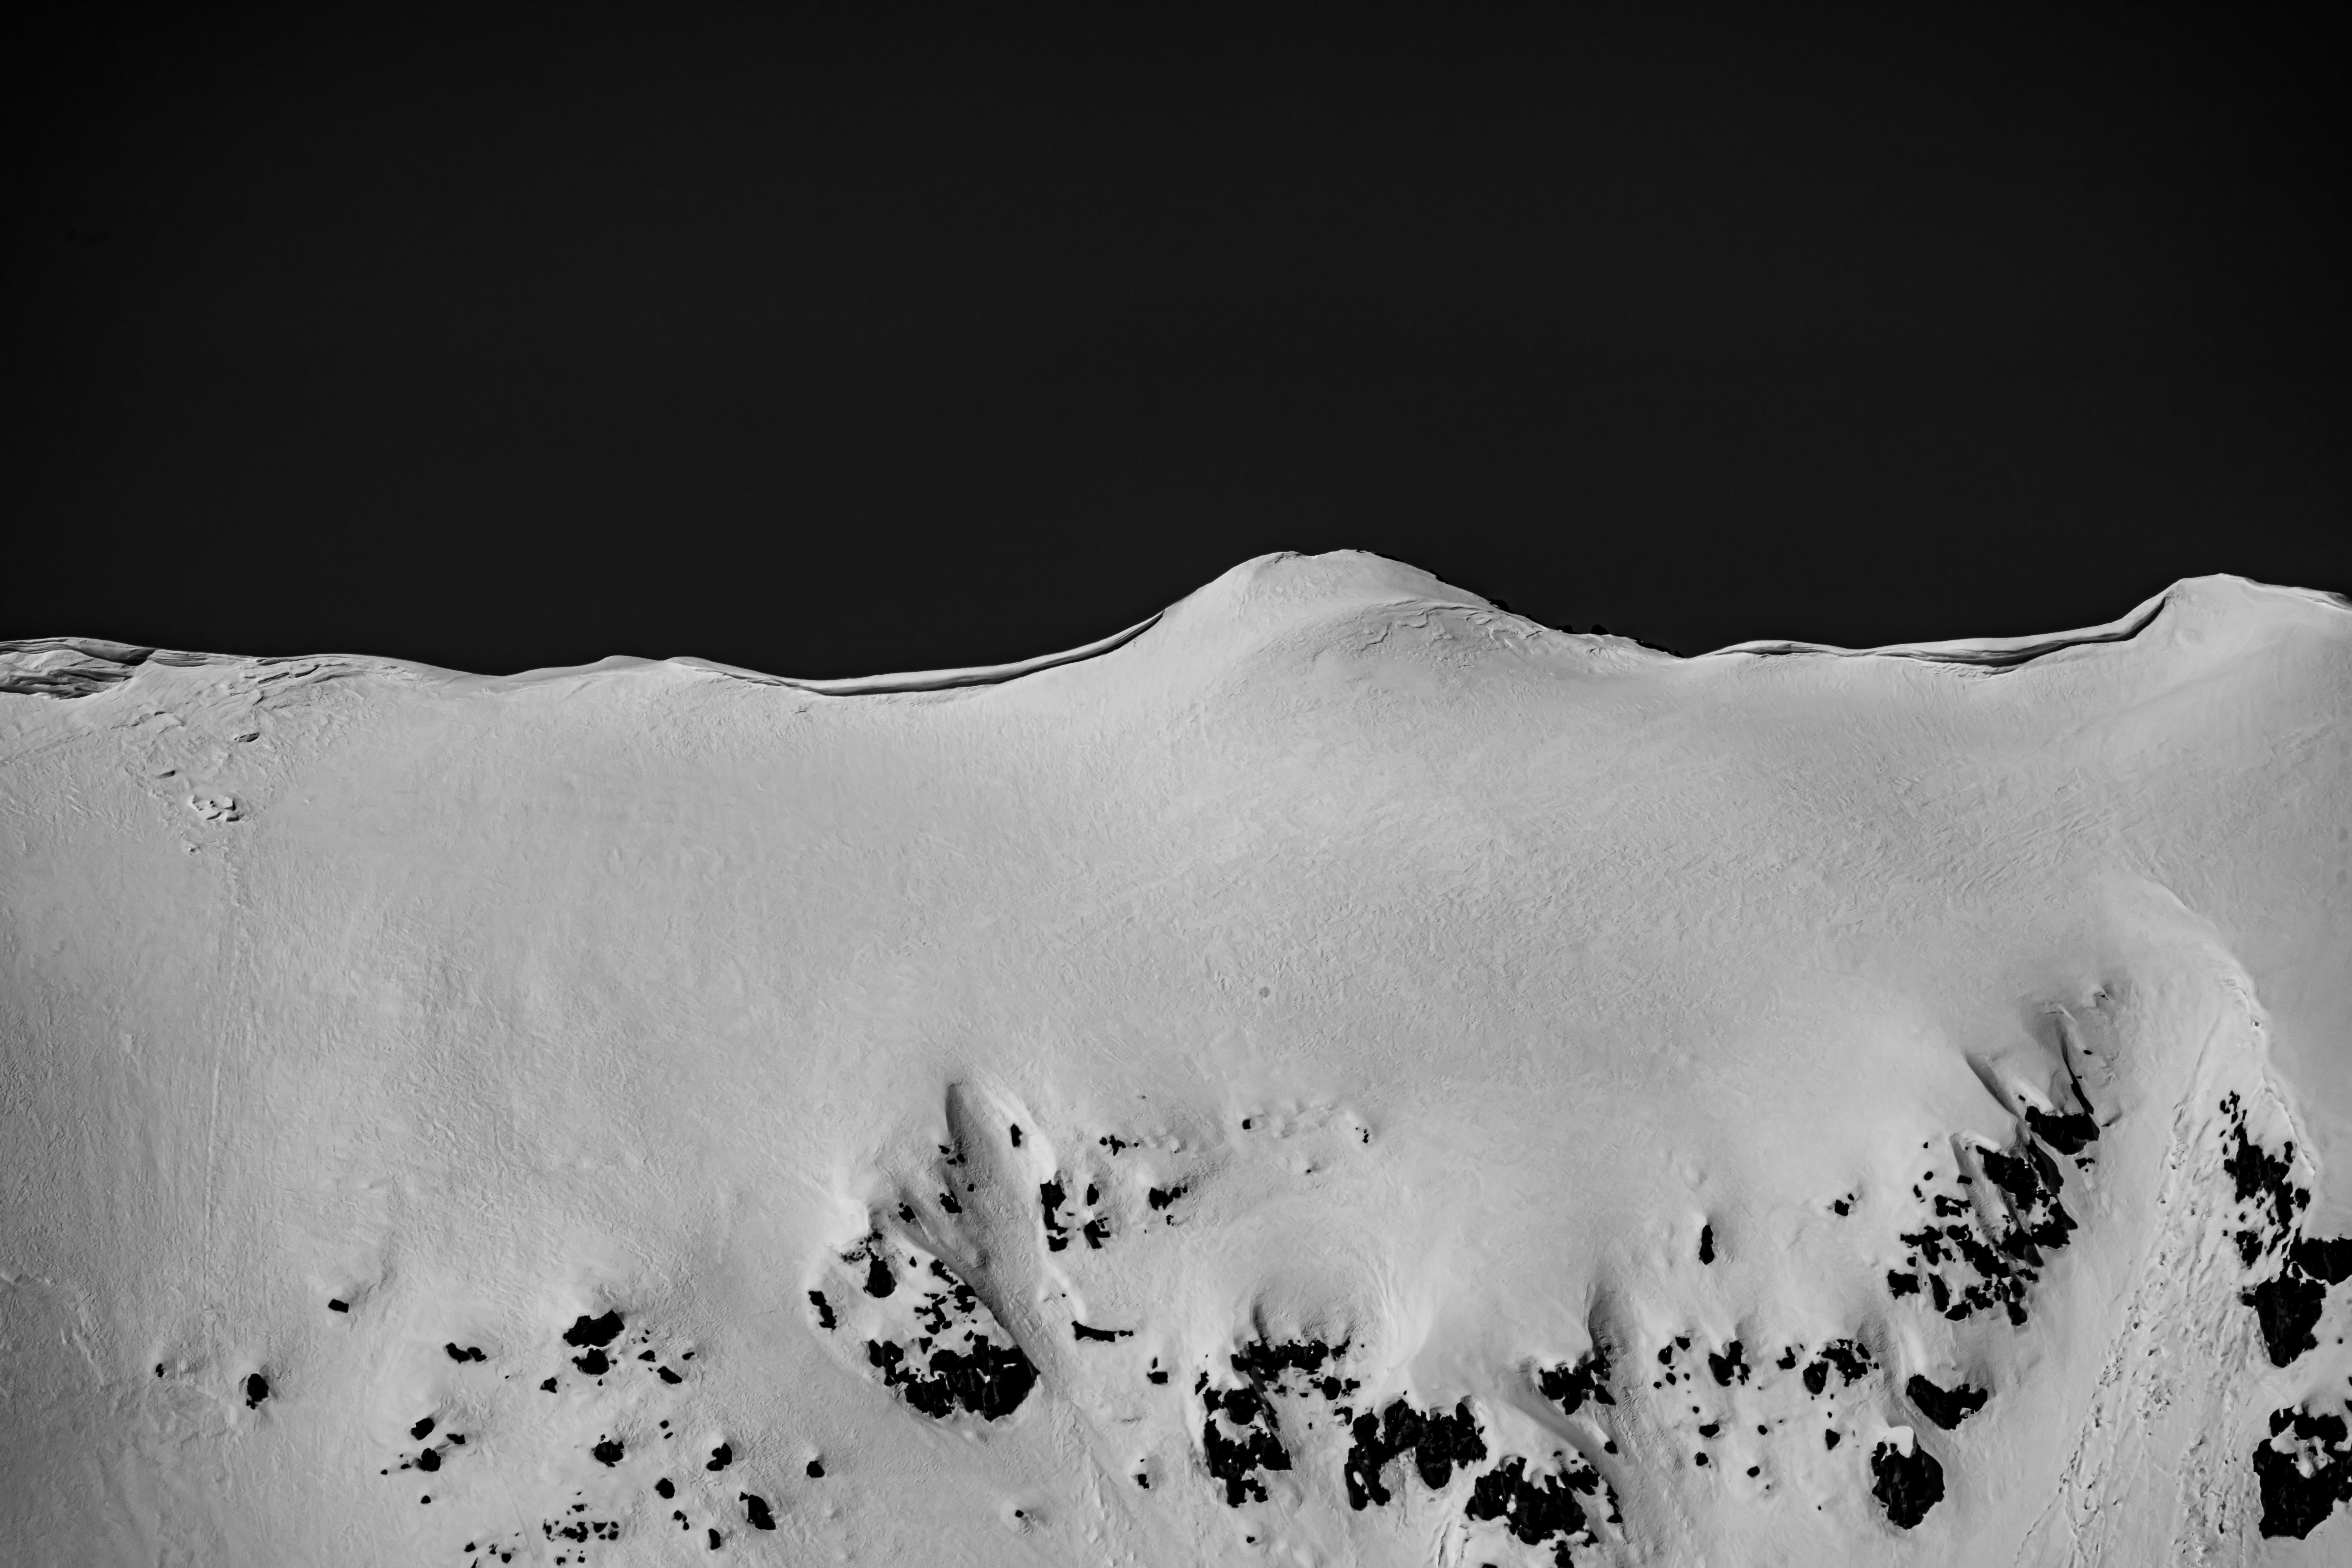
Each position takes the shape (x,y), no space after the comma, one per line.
(1984,653)
(71,666)
(82,667)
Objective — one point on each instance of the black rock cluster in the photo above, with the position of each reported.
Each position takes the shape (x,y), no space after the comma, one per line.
(1539,1509)
(2303,1481)
(1570,1386)
(987,1379)
(2288,1303)
(1905,1485)
(1437,1442)
(1240,1437)
(1946,1407)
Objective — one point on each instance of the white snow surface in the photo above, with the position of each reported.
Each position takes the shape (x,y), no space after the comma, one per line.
(1461,972)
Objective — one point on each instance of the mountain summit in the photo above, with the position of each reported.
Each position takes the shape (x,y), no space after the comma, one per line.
(1338,1072)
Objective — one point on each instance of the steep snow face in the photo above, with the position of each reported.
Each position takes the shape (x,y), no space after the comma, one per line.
(1339,1075)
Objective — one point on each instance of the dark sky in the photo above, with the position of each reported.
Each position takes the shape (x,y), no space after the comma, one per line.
(521,342)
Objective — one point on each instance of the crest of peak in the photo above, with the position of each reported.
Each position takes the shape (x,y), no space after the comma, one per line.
(1336,576)
(2226,589)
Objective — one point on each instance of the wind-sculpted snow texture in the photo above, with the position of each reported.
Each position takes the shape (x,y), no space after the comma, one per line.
(1338,1074)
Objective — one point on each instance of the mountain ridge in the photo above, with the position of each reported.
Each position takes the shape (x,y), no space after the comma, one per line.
(1273,587)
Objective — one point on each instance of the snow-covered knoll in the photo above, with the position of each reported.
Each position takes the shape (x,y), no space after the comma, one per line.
(1340,1074)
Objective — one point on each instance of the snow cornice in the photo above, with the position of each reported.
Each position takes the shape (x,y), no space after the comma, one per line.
(1278,588)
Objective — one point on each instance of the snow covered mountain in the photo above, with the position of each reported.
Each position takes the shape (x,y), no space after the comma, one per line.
(1339,1074)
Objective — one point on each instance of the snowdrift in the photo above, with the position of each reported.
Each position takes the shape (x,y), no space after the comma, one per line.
(1338,1074)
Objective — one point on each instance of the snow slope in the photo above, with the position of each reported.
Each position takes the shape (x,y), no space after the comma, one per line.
(1337,1074)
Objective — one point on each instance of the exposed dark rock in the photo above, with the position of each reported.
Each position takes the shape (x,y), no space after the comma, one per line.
(1706,1244)
(1851,1361)
(1268,1364)
(2288,1306)
(1240,1433)
(989,1381)
(1254,1444)
(2030,1183)
(2068,1134)
(1849,1356)
(879,1280)
(1539,1509)
(2302,1484)
(1111,1336)
(1050,1198)
(600,1330)
(2326,1260)
(721,1458)
(607,1452)
(2262,1178)
(256,1389)
(755,1508)
(1905,1485)
(578,1529)
(1945,1408)
(1437,1443)
(1570,1386)
(1984,1255)
(947,1306)
(1728,1366)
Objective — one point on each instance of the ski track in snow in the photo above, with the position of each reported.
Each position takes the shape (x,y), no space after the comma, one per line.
(1333,1074)
(2172,1376)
